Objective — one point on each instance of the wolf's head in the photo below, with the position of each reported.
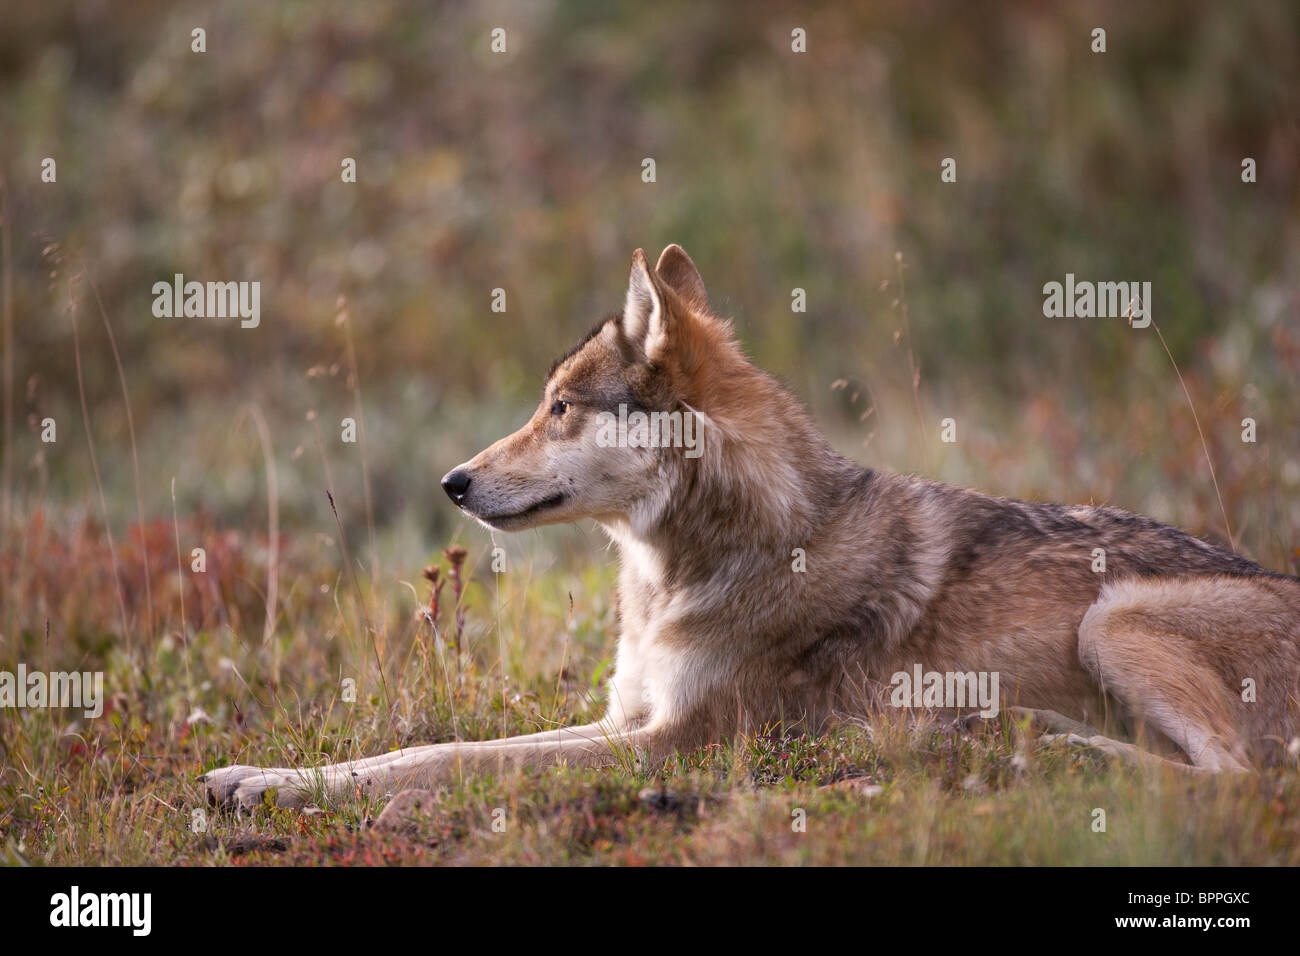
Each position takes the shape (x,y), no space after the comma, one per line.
(622,414)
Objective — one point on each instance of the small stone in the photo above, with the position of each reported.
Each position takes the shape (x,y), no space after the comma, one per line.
(406,813)
(863,786)
(660,800)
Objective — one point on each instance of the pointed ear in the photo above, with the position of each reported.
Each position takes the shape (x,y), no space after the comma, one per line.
(678,272)
(645,317)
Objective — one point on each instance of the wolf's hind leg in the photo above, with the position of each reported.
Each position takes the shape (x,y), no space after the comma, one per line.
(1175,652)
(1117,750)
(1035,720)
(1049,727)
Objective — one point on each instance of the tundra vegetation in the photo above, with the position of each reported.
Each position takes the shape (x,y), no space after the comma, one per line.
(230,523)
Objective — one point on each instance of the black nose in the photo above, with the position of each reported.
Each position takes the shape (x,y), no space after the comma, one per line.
(456,483)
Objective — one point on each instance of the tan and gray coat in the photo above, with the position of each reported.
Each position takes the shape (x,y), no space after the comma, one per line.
(721,634)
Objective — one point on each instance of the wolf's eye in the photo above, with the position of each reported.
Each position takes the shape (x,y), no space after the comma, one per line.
(560,407)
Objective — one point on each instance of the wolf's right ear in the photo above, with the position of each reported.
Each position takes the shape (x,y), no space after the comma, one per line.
(645,319)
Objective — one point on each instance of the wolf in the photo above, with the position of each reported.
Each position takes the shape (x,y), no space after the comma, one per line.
(766,580)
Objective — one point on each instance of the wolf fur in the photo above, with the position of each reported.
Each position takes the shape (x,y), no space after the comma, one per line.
(720,634)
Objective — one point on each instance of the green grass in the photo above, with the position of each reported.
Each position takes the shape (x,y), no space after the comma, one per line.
(122,790)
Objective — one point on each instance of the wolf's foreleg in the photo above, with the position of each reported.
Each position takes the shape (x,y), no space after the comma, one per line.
(593,745)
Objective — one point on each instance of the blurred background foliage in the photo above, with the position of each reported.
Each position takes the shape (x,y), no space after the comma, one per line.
(775,170)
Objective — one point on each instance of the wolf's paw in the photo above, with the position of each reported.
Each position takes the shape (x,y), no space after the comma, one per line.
(241,787)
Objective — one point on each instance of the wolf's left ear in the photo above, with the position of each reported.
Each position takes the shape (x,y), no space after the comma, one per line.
(678,272)
(645,317)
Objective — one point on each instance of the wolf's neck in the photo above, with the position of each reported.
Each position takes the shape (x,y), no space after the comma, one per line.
(746,504)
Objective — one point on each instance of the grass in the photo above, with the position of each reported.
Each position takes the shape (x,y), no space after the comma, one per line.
(292,648)
(182,435)
(531,652)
